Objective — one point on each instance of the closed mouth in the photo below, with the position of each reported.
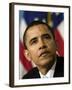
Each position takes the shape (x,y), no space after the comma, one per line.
(44,53)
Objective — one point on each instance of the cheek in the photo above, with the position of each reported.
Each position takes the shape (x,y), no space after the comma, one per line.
(33,53)
(34,57)
(52,46)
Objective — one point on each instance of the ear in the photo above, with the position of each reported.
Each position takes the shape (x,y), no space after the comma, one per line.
(56,45)
(27,55)
(57,49)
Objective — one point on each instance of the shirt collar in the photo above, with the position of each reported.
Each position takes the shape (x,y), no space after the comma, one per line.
(50,72)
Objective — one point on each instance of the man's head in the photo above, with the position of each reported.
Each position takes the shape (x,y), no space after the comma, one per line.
(33,24)
(39,41)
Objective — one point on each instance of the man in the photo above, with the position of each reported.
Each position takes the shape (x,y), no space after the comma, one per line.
(40,48)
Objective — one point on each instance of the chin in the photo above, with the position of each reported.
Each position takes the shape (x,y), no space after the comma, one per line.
(47,61)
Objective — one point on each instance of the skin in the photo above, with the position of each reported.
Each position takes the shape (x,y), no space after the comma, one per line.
(41,47)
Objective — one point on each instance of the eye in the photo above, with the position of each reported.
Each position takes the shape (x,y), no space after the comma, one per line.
(47,36)
(33,41)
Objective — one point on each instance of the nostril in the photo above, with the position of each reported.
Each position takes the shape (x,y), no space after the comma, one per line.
(43,47)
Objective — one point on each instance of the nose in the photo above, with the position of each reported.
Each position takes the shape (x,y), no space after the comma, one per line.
(42,44)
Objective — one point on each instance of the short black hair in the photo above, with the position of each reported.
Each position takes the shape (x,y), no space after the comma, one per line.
(33,24)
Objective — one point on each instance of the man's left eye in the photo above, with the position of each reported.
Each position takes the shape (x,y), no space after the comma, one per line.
(47,37)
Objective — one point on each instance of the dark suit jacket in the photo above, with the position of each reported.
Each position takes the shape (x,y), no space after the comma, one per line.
(59,70)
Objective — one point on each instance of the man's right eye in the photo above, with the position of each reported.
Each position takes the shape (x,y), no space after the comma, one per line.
(33,42)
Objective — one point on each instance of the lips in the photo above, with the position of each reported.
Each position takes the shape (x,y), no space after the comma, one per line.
(45,53)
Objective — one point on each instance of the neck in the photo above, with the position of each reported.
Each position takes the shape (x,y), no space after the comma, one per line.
(46,68)
(43,70)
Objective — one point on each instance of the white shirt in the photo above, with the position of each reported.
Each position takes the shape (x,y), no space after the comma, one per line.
(50,72)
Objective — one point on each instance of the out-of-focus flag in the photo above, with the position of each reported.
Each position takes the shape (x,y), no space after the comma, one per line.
(55,20)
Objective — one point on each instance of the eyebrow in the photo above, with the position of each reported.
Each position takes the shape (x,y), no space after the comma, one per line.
(46,35)
(35,38)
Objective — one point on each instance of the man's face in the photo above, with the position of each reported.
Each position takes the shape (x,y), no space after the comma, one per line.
(41,47)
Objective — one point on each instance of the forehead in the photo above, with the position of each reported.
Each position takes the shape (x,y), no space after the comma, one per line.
(37,30)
